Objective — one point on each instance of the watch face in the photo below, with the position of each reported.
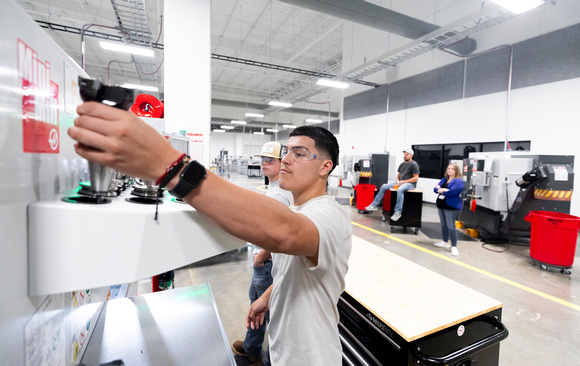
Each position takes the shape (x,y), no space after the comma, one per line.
(193,173)
(189,179)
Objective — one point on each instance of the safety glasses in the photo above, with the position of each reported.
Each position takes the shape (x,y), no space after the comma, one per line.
(298,153)
(268,160)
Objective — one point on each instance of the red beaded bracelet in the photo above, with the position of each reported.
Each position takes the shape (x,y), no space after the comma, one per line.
(169,169)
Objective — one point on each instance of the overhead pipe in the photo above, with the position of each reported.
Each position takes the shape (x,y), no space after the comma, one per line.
(509,83)
(387,114)
(85,28)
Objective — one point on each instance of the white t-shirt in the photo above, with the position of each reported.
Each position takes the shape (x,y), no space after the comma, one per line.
(304,318)
(280,195)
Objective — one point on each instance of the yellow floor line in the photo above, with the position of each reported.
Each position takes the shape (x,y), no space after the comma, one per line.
(478,270)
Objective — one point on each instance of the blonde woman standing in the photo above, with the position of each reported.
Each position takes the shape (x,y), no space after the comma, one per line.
(449,205)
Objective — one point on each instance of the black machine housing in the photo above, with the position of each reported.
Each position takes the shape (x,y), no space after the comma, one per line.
(373,170)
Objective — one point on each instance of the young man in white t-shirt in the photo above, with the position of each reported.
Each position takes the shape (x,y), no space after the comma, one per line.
(311,241)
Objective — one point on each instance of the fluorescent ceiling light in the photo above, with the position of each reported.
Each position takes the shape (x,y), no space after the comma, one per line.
(119,47)
(333,83)
(313,120)
(289,126)
(257,115)
(226,127)
(258,133)
(271,130)
(220,131)
(141,87)
(518,6)
(238,122)
(276,103)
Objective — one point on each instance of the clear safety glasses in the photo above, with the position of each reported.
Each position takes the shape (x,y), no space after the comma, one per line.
(298,153)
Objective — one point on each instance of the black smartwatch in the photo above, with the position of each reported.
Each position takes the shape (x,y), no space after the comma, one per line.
(189,179)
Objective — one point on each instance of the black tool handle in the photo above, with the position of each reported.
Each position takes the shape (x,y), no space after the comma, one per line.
(471,349)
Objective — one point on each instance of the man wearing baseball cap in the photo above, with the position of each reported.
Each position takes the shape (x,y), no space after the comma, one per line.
(251,347)
(407,177)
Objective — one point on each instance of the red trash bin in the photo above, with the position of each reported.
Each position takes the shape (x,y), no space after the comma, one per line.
(365,194)
(553,238)
(387,202)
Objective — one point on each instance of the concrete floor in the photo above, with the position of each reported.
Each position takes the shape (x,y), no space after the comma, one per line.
(541,309)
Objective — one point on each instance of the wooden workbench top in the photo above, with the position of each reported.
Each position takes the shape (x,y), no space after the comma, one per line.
(412,300)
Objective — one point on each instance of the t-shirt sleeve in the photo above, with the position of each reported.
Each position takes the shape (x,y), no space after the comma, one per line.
(415,169)
(333,227)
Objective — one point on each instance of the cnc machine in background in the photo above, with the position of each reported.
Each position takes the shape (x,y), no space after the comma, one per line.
(506,186)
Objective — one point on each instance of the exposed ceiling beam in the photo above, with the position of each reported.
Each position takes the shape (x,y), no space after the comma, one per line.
(482,19)
(378,17)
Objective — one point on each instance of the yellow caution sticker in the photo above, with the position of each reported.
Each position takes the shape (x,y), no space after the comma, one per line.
(552,195)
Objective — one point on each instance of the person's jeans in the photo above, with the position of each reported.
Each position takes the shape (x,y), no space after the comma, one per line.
(400,194)
(266,359)
(448,231)
(379,197)
(261,280)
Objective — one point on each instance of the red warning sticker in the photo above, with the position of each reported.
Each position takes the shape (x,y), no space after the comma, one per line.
(40,122)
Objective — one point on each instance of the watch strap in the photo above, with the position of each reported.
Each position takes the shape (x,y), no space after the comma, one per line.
(189,179)
(172,170)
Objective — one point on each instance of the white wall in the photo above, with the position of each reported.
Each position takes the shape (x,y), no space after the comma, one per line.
(219,141)
(547,115)
(186,66)
(363,136)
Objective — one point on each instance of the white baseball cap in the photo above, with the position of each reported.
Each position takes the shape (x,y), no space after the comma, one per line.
(272,149)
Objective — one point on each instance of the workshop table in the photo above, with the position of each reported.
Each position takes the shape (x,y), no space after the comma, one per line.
(396,312)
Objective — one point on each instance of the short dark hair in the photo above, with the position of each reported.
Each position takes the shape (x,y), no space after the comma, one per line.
(324,141)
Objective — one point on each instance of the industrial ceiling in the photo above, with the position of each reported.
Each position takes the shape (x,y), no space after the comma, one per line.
(272,49)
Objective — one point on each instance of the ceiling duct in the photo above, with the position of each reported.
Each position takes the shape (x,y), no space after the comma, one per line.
(374,16)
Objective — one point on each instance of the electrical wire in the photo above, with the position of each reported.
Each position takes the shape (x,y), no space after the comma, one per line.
(160,31)
(108,69)
(509,78)
(329,106)
(131,63)
(87,26)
